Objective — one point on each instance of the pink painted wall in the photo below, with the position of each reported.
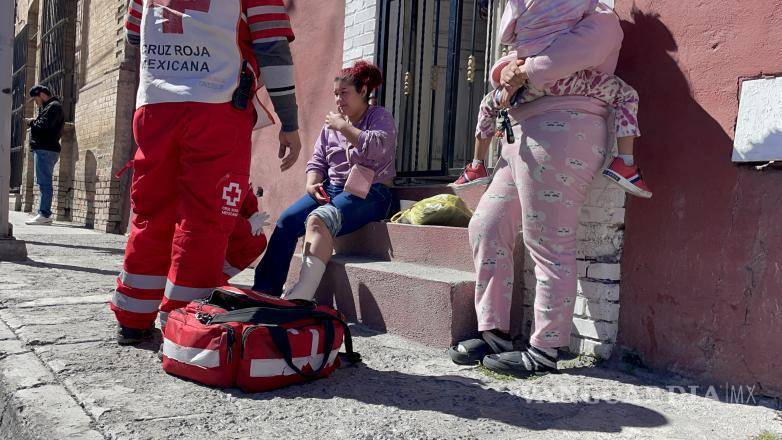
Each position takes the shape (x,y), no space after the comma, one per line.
(317,54)
(702,266)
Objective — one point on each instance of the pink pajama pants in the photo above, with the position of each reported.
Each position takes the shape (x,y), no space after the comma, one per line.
(540,184)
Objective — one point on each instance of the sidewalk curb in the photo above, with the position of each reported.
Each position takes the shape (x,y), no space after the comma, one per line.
(34,404)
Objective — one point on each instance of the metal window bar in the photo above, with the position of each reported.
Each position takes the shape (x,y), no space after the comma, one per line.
(18,99)
(471,69)
(422,46)
(54,68)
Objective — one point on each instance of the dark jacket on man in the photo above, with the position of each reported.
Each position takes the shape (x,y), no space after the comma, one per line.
(46,129)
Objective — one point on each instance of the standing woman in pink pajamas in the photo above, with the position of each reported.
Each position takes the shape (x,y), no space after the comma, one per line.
(539,186)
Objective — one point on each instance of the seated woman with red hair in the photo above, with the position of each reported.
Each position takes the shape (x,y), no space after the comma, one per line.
(356,148)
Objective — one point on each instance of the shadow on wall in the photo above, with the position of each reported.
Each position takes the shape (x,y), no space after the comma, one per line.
(62,201)
(667,294)
(90,174)
(675,127)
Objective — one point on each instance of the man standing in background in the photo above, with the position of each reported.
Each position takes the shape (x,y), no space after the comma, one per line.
(45,133)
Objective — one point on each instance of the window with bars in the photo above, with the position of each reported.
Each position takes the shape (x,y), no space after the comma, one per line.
(55,67)
(434,56)
(18,98)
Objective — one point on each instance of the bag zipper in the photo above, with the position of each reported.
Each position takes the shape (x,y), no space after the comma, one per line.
(231,340)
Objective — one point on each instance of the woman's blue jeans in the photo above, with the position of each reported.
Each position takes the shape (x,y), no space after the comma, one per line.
(271,273)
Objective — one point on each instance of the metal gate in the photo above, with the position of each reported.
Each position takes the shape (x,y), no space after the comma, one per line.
(433,54)
(56,71)
(18,99)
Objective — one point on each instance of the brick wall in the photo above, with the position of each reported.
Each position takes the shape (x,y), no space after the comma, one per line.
(360,23)
(100,140)
(104,110)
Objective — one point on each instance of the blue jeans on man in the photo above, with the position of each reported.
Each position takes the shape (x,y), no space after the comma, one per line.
(271,273)
(44,168)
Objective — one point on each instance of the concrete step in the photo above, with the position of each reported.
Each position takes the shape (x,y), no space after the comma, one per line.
(439,246)
(433,306)
(471,194)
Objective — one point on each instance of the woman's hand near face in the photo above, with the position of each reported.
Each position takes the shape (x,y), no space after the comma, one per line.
(336,121)
(339,122)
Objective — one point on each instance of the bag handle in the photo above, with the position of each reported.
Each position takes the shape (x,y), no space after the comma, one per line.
(282,343)
(278,316)
(349,355)
(399,216)
(280,338)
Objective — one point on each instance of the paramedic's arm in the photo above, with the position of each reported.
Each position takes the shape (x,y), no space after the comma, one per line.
(133,22)
(271,33)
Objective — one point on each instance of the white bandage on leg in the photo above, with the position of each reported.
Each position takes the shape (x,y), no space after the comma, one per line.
(312,269)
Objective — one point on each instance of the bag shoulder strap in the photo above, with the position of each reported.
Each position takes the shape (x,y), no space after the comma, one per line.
(273,317)
(270,315)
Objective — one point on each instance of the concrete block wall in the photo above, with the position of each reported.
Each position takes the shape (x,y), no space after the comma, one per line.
(100,140)
(360,31)
(104,114)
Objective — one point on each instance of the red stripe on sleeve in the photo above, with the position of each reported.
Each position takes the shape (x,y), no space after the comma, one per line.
(132,27)
(273,33)
(268,17)
(254,3)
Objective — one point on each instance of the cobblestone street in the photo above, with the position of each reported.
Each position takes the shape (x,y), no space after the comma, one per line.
(63,376)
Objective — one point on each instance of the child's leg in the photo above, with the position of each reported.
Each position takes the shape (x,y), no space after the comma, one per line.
(481,149)
(623,170)
(487,120)
(625,145)
(625,107)
(488,112)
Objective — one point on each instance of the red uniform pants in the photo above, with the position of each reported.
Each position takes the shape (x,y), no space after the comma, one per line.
(190,178)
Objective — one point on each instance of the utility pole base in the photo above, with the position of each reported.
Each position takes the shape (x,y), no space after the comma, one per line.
(12,249)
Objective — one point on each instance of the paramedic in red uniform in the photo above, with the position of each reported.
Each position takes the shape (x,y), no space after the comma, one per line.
(201,61)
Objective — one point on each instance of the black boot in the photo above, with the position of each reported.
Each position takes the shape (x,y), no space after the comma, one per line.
(133,336)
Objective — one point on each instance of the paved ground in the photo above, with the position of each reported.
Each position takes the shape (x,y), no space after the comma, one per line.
(63,377)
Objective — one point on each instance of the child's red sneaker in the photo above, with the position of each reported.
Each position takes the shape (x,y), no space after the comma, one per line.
(629,178)
(472,175)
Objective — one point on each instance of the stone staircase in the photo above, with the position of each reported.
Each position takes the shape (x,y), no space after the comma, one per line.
(418,281)
(415,281)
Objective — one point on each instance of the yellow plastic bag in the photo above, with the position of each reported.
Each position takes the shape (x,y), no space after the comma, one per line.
(442,210)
